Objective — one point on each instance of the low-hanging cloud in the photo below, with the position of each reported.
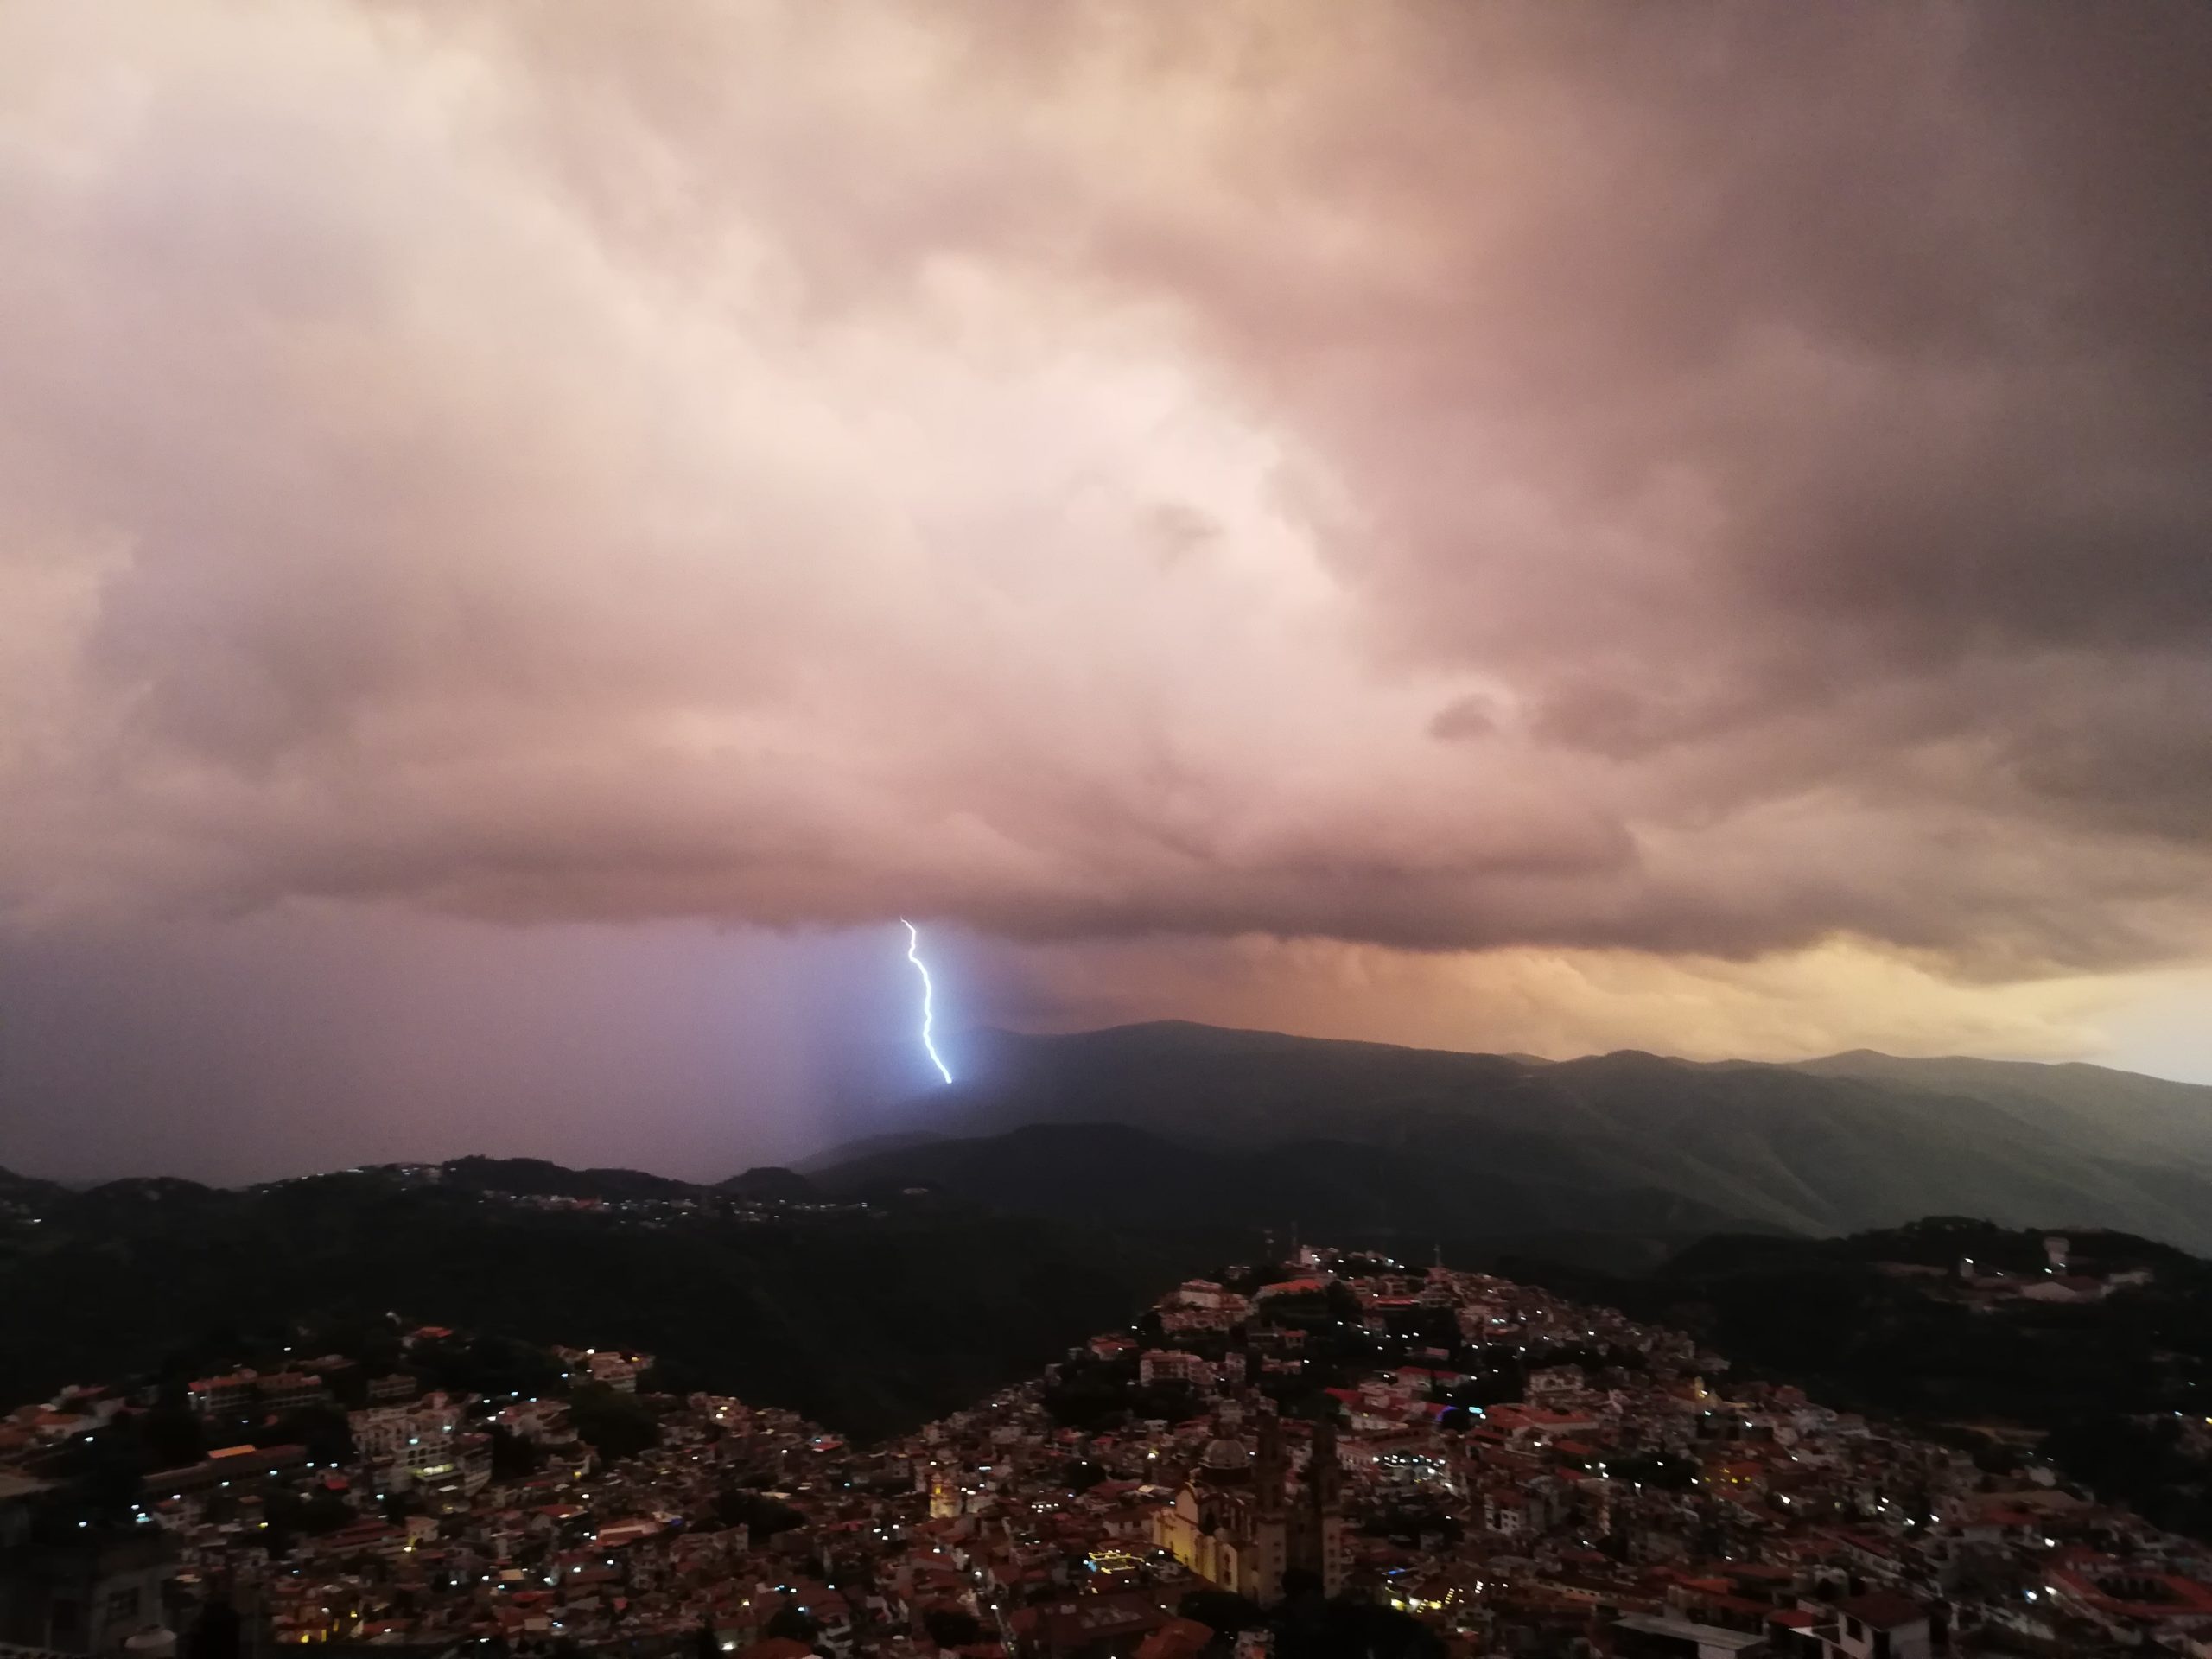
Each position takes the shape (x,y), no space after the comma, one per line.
(1414,474)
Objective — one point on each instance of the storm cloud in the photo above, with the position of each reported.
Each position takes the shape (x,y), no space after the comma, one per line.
(1703,482)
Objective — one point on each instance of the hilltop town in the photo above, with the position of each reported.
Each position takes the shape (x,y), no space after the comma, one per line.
(1278,1458)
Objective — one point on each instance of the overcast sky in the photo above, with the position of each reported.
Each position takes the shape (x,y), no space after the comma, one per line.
(531,534)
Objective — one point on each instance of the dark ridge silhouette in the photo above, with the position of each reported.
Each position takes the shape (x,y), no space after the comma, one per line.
(1852,1142)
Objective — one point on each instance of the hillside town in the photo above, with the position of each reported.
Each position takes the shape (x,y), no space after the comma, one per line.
(1335,1453)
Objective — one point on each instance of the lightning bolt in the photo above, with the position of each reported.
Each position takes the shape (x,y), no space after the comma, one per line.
(929,1011)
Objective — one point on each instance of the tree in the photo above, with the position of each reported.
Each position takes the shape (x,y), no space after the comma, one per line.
(171,1436)
(325,1512)
(1308,1627)
(215,1632)
(762,1516)
(789,1622)
(616,1425)
(323,1430)
(1222,1611)
(950,1628)
(512,1456)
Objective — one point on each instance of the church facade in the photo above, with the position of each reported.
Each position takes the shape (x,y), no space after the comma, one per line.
(1243,1528)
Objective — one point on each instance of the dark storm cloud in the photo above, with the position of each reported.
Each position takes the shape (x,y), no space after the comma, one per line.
(1699,481)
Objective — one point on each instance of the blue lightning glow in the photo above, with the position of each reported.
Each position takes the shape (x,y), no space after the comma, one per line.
(929,1013)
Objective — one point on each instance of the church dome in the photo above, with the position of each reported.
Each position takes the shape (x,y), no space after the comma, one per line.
(1226,1453)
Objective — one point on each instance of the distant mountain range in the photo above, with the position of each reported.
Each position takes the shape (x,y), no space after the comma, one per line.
(1065,1180)
(1614,1160)
(1166,1121)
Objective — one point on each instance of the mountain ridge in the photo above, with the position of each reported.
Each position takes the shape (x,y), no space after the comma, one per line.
(1834,1145)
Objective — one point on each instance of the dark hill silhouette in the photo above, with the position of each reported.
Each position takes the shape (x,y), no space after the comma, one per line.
(870,1319)
(1111,1172)
(1855,1141)
(536,1177)
(772,1181)
(2105,1380)
(847,1152)
(27,1190)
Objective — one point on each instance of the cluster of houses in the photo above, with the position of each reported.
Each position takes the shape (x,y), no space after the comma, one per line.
(1513,1472)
